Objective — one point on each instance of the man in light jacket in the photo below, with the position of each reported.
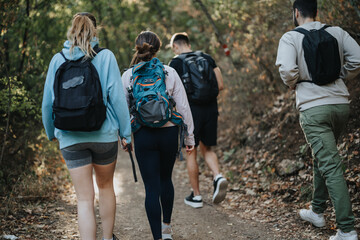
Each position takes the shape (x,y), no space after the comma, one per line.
(324,111)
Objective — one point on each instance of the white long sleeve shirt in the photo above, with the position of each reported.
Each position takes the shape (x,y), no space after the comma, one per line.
(292,68)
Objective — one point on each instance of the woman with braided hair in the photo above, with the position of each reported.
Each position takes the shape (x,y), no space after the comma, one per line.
(156,147)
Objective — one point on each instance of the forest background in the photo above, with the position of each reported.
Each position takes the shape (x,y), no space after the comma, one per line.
(258,125)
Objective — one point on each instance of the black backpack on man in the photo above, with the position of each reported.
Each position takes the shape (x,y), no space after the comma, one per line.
(321,51)
(199,78)
(78,103)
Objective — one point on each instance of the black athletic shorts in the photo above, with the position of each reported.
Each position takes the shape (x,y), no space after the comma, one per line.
(205,122)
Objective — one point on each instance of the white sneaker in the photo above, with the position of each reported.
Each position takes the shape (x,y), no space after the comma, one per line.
(340,235)
(166,232)
(317,220)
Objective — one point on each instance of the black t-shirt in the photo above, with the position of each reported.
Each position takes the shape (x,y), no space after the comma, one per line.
(177,63)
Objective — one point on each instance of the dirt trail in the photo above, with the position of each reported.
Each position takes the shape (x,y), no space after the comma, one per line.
(209,222)
(249,218)
(57,218)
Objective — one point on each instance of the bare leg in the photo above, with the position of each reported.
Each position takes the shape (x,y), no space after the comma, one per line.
(107,200)
(193,171)
(210,158)
(84,188)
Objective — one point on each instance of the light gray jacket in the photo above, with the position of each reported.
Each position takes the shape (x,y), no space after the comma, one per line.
(292,67)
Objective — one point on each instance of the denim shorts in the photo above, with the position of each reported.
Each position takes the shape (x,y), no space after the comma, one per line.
(82,154)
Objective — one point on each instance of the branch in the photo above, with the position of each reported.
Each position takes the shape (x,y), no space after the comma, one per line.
(216,30)
(207,14)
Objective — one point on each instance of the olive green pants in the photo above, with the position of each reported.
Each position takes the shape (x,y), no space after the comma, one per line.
(322,126)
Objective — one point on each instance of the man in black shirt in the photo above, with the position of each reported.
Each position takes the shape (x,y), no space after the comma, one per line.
(204,112)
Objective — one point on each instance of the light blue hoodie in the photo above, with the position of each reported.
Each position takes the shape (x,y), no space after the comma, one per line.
(117,122)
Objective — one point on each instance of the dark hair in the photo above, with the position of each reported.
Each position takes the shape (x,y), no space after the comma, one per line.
(147,44)
(89,15)
(307,8)
(180,38)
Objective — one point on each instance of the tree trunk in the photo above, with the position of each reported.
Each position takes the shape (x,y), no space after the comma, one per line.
(25,37)
(216,30)
(6,53)
(207,14)
(8,115)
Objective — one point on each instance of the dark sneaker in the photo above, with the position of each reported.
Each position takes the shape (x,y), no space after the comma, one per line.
(220,187)
(194,201)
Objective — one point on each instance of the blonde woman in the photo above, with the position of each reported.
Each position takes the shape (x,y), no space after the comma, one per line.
(85,151)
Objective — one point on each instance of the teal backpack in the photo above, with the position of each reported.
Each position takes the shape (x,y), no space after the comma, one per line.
(150,104)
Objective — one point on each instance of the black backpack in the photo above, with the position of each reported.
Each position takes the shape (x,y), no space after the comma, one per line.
(199,78)
(322,56)
(78,104)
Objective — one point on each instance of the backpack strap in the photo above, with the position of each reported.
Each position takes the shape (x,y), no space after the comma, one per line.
(62,54)
(301,30)
(304,81)
(324,27)
(98,49)
(198,53)
(181,57)
(305,32)
(185,69)
(137,67)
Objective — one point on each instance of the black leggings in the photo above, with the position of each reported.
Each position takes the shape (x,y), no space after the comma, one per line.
(155,150)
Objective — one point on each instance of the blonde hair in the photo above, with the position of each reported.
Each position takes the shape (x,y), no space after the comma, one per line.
(82,31)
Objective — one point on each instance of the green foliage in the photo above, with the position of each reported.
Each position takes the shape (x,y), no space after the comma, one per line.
(22,105)
(228,154)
